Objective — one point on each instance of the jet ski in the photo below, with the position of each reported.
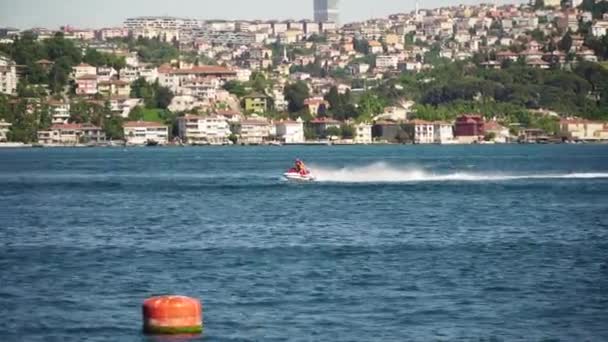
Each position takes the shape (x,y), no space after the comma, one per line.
(294,175)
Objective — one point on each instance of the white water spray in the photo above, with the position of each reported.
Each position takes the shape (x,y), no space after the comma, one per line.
(385,173)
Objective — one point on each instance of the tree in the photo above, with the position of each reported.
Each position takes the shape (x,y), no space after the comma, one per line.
(369,106)
(566,43)
(164,96)
(113,127)
(236,88)
(295,94)
(136,114)
(333,132)
(347,131)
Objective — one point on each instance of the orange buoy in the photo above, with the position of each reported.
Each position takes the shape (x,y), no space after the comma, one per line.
(170,315)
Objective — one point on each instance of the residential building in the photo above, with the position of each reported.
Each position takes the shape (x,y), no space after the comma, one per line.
(599,28)
(375,47)
(420,131)
(362,133)
(114,88)
(71,134)
(469,128)
(321,125)
(8,76)
(385,62)
(83,69)
(387,131)
(316,106)
(579,129)
(254,131)
(256,103)
(173,78)
(290,132)
(60,111)
(4,129)
(501,133)
(86,85)
(552,3)
(326,11)
(444,133)
(204,130)
(142,133)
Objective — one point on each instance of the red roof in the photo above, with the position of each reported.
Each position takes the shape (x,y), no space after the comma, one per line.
(73,126)
(324,121)
(116,82)
(133,124)
(87,77)
(420,122)
(203,69)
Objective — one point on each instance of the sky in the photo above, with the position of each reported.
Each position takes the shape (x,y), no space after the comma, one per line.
(96,14)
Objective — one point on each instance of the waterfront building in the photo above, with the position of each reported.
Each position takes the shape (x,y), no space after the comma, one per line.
(290,132)
(204,130)
(254,130)
(501,133)
(421,131)
(4,129)
(443,133)
(586,130)
(71,134)
(8,76)
(469,128)
(321,125)
(362,133)
(142,133)
(326,11)
(386,131)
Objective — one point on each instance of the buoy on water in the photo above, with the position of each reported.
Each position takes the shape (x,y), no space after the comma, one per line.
(172,315)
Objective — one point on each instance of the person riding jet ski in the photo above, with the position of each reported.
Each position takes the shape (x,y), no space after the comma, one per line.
(300,167)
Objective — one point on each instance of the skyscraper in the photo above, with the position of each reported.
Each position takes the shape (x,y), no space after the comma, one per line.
(326,11)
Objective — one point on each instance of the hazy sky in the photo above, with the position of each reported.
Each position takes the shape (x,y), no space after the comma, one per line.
(100,13)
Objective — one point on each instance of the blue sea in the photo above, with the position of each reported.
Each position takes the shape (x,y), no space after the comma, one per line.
(393,243)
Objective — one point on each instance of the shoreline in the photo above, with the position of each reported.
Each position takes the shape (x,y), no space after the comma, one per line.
(8,146)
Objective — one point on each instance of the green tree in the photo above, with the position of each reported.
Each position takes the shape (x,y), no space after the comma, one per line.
(566,43)
(369,106)
(295,94)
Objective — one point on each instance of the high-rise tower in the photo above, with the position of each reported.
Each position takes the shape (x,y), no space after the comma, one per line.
(326,11)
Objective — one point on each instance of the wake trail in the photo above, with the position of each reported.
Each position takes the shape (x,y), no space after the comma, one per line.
(384,173)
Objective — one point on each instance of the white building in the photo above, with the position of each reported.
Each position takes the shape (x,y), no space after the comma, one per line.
(387,62)
(8,76)
(182,103)
(204,130)
(60,112)
(4,129)
(254,130)
(443,133)
(175,78)
(599,28)
(142,132)
(290,132)
(422,132)
(362,133)
(83,69)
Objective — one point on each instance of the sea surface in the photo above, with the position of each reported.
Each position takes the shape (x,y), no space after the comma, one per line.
(393,243)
